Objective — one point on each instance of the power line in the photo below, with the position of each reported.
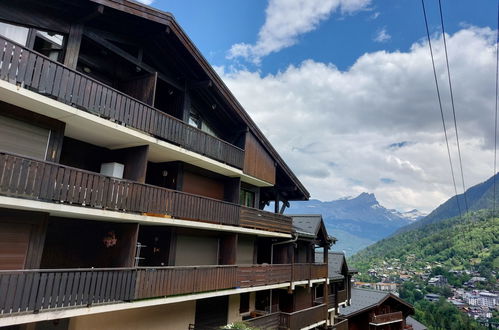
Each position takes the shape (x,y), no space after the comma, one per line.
(495,118)
(452,103)
(440,105)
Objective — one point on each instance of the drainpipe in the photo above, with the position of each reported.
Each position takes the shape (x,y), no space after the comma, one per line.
(293,240)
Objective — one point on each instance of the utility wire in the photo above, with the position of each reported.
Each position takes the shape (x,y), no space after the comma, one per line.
(440,105)
(495,118)
(453,107)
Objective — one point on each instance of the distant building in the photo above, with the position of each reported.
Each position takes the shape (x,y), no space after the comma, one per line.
(432,297)
(484,299)
(438,280)
(370,309)
(386,286)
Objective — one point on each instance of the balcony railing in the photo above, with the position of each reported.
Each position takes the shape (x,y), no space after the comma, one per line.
(386,318)
(279,273)
(29,69)
(341,325)
(258,219)
(331,301)
(292,321)
(342,296)
(51,182)
(41,290)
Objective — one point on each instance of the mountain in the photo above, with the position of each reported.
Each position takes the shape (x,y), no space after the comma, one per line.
(356,222)
(478,197)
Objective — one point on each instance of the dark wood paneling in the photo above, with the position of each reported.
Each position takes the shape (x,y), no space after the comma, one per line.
(135,161)
(142,88)
(228,249)
(257,162)
(194,183)
(14,242)
(22,235)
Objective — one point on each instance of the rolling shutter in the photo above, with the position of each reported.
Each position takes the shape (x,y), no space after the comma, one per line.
(22,138)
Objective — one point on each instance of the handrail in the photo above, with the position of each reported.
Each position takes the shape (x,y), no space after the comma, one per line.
(44,180)
(15,65)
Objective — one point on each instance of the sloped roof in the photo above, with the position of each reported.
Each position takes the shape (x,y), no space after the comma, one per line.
(308,224)
(335,264)
(415,324)
(365,299)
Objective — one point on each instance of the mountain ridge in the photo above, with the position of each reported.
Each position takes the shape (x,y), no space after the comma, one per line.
(356,221)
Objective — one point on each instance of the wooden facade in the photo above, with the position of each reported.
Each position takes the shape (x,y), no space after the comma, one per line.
(189,221)
(257,162)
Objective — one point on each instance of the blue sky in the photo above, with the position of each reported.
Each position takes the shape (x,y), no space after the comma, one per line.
(216,25)
(344,88)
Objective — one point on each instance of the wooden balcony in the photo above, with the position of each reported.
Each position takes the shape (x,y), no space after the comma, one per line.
(331,301)
(51,182)
(341,325)
(258,219)
(31,70)
(303,318)
(23,291)
(342,296)
(292,321)
(386,318)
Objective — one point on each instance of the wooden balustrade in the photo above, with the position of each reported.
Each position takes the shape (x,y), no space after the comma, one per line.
(39,290)
(307,271)
(252,275)
(301,319)
(169,281)
(264,322)
(331,301)
(34,71)
(387,318)
(342,296)
(341,325)
(41,180)
(258,219)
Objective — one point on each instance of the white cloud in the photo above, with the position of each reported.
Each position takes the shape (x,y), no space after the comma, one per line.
(382,36)
(343,131)
(286,20)
(146,2)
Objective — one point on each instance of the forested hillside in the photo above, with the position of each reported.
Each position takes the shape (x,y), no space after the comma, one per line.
(456,243)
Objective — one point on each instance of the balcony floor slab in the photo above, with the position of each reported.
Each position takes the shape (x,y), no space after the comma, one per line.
(93,129)
(70,211)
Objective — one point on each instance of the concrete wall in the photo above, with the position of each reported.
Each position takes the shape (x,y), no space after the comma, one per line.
(233,313)
(164,317)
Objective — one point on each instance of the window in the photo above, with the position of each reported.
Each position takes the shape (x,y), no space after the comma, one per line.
(247,198)
(16,33)
(197,121)
(49,44)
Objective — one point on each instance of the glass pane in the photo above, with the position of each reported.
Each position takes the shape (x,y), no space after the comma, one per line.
(16,33)
(49,44)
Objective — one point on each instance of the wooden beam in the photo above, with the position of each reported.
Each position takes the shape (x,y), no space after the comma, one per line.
(118,51)
(73,45)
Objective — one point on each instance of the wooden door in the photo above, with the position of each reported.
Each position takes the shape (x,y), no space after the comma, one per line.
(14,243)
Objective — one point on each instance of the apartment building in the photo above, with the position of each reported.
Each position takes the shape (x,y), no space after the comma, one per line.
(133,184)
